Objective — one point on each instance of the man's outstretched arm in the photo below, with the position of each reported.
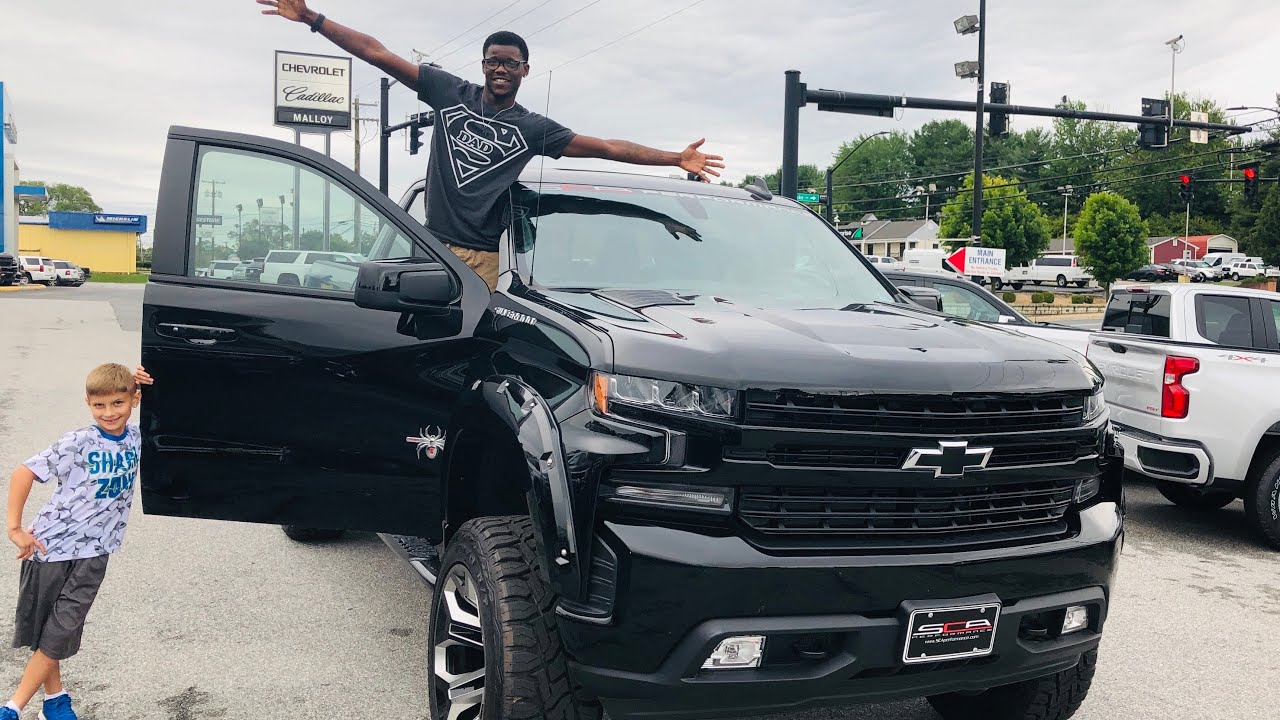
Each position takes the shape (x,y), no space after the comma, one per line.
(357,43)
(691,160)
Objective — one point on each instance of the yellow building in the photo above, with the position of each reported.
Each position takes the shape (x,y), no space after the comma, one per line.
(102,242)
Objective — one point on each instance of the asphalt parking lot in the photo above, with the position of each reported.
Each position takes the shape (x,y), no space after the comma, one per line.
(203,619)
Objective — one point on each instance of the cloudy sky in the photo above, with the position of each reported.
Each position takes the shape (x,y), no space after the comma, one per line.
(96,85)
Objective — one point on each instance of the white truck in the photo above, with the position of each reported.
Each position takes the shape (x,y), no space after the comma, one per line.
(1193,383)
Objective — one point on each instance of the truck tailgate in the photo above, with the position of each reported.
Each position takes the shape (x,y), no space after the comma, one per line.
(1134,372)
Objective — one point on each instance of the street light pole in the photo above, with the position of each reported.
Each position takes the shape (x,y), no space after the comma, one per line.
(1066,193)
(831,171)
(1175,45)
(977,138)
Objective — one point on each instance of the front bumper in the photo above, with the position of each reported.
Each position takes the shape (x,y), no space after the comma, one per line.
(681,592)
(1181,461)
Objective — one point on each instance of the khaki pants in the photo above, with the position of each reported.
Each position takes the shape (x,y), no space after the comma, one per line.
(484,263)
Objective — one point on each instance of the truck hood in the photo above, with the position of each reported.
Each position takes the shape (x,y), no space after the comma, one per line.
(881,348)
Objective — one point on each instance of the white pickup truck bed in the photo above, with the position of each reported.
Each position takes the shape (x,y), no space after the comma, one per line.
(1193,384)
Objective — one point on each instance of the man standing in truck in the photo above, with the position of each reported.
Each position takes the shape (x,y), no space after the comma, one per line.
(483,138)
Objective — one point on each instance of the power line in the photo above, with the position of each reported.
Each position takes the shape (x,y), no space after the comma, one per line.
(624,37)
(1056,177)
(535,32)
(460,47)
(445,44)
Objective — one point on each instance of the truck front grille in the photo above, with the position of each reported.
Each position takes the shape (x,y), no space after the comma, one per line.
(910,518)
(1005,455)
(915,415)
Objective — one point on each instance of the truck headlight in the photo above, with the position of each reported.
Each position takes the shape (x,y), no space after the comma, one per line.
(609,389)
(1094,405)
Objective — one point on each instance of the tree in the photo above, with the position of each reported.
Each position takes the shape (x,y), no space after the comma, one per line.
(1110,237)
(876,176)
(808,176)
(1266,238)
(62,198)
(1009,219)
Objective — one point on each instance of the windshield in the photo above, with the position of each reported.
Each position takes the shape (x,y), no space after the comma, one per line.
(749,251)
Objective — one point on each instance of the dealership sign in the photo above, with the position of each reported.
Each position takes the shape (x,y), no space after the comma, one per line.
(313,92)
(100,219)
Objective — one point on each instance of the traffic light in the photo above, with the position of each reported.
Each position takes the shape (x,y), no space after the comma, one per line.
(1185,190)
(1155,135)
(999,121)
(1250,173)
(415,139)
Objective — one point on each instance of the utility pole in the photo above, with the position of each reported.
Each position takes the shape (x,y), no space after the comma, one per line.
(355,127)
(213,194)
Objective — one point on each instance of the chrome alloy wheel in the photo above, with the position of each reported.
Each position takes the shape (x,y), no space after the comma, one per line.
(458,682)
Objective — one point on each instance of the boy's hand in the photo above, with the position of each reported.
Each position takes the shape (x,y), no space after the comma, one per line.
(26,542)
(295,10)
(141,377)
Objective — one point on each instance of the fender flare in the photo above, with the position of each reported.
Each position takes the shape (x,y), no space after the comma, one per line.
(533,424)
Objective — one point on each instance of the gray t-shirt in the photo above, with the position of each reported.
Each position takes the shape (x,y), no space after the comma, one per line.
(87,514)
(476,155)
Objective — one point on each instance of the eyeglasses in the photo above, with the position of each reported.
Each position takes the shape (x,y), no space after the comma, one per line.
(493,63)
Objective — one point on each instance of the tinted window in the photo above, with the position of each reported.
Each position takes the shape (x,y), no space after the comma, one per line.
(745,251)
(263,205)
(1275,315)
(1224,320)
(1054,261)
(1138,313)
(62,265)
(964,303)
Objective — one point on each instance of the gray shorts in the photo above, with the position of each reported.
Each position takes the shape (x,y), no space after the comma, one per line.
(53,601)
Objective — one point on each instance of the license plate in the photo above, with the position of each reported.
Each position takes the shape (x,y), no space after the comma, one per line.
(950,633)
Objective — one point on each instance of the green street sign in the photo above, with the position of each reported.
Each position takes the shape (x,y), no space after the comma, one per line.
(808,197)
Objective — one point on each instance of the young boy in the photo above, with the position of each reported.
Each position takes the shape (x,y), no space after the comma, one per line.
(64,552)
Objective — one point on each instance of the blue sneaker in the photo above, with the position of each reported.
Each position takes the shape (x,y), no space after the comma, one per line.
(7,713)
(58,708)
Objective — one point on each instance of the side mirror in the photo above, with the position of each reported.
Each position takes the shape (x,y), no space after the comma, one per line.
(923,296)
(404,285)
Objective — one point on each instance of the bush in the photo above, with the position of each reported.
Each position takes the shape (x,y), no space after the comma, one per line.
(1009,297)
(1042,297)
(1081,299)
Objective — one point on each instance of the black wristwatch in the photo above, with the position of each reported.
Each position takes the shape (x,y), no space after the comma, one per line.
(315,26)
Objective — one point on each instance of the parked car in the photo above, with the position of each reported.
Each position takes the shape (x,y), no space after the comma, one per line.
(222,269)
(289,267)
(1198,270)
(1239,269)
(1152,273)
(783,484)
(1061,270)
(884,262)
(10,272)
(967,300)
(1192,376)
(38,269)
(249,270)
(67,273)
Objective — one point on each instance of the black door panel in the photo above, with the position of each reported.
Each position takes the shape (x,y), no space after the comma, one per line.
(262,428)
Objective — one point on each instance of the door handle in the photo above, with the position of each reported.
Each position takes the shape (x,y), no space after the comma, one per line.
(197,334)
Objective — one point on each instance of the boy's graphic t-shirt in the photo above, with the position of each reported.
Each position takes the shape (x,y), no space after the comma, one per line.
(476,154)
(87,514)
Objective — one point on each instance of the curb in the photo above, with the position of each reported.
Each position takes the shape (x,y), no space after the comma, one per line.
(20,288)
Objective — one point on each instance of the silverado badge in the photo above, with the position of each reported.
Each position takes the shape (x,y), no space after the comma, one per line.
(433,443)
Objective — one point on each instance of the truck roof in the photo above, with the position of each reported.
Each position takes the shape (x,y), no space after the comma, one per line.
(1181,289)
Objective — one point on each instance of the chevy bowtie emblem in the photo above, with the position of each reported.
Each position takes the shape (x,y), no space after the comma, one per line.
(433,443)
(949,459)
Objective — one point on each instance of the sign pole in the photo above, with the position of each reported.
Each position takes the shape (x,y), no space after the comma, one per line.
(327,186)
(297,182)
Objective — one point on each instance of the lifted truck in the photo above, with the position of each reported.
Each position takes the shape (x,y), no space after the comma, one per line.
(1193,373)
(693,458)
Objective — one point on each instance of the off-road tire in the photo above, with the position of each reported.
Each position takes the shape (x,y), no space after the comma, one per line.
(526,672)
(1262,500)
(1194,498)
(310,535)
(1053,697)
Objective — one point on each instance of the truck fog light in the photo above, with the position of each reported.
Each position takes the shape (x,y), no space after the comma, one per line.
(1077,618)
(744,651)
(1087,488)
(717,500)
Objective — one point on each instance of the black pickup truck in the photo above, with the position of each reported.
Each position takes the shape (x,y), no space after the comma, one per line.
(694,458)
(9,270)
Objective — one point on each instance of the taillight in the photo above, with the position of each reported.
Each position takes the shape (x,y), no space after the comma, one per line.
(1176,399)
